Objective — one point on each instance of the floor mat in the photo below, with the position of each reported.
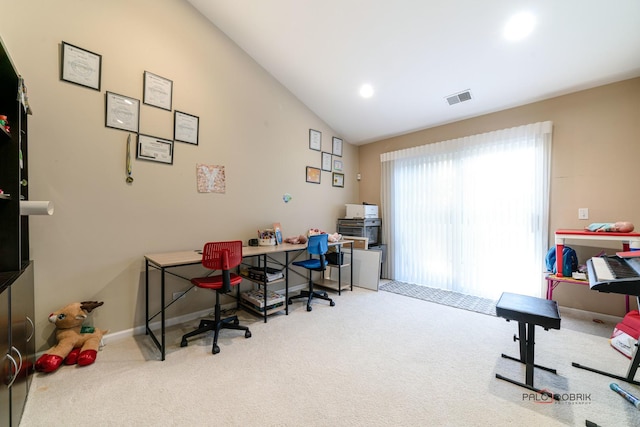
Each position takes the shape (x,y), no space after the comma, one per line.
(441,296)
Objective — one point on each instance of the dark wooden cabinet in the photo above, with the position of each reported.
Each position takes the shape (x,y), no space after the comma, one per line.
(17,340)
(17,343)
(14,235)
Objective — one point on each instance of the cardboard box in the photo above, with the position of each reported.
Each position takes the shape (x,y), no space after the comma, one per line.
(361,211)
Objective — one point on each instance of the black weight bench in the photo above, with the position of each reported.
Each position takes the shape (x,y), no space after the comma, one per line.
(528,312)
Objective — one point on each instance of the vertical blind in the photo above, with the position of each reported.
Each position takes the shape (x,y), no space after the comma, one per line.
(470,214)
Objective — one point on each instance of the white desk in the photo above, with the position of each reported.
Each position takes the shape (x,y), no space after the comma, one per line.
(629,240)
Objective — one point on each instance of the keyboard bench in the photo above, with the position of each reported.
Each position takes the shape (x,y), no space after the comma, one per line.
(528,312)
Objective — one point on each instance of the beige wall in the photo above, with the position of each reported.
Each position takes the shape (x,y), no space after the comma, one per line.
(595,158)
(93,246)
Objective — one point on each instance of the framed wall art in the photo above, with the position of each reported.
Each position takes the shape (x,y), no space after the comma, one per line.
(313,175)
(338,179)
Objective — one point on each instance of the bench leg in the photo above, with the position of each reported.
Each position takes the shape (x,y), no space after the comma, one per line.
(527,357)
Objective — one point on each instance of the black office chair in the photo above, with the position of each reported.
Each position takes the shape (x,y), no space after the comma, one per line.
(318,245)
(219,256)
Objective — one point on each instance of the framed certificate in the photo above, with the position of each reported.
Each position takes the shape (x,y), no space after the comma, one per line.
(337,165)
(122,112)
(155,149)
(337,147)
(326,161)
(185,127)
(157,91)
(80,66)
(315,139)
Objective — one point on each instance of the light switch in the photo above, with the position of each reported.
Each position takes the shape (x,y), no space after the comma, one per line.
(583,213)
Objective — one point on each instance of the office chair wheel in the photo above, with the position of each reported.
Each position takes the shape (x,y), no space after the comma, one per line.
(236,321)
(324,294)
(184,343)
(289,301)
(216,349)
(308,308)
(332,304)
(247,334)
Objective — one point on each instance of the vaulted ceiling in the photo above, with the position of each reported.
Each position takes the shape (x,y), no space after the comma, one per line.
(417,53)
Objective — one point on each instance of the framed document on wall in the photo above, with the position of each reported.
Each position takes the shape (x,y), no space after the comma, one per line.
(185,127)
(122,112)
(158,91)
(80,66)
(337,147)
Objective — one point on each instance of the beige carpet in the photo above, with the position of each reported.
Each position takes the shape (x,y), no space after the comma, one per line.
(375,359)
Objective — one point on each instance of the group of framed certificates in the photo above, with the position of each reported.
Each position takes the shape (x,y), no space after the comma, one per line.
(84,68)
(329,162)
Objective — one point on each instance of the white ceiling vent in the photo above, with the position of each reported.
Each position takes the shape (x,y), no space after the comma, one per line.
(459,97)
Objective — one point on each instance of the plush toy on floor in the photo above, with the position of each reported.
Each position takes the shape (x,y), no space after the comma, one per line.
(76,343)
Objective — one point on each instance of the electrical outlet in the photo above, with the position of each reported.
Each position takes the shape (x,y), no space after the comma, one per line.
(583,213)
(178,295)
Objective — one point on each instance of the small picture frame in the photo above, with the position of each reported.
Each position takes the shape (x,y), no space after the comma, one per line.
(80,66)
(313,175)
(337,165)
(122,112)
(158,91)
(185,127)
(338,179)
(326,161)
(337,146)
(315,139)
(155,149)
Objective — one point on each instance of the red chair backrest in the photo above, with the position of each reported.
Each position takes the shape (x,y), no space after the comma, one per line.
(222,255)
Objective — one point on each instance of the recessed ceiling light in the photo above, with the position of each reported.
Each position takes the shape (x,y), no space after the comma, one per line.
(519,26)
(366,91)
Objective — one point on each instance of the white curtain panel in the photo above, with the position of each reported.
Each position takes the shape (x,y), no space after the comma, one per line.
(471,214)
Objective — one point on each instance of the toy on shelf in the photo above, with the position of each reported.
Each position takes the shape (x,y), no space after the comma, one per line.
(617,227)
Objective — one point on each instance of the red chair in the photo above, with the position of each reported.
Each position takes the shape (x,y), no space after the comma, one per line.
(219,256)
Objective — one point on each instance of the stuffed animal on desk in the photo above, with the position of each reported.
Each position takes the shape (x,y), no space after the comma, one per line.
(619,227)
(76,343)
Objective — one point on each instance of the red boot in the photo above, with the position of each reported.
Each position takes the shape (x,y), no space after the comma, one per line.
(87,357)
(72,358)
(48,363)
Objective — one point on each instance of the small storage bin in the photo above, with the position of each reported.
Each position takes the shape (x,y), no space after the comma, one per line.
(335,258)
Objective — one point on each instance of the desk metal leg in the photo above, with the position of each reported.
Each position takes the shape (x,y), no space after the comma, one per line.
(286,283)
(146,293)
(162,314)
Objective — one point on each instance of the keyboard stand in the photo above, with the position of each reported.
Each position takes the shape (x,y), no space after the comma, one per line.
(631,372)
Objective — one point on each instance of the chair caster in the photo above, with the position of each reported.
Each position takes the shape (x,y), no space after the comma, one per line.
(332,304)
(236,321)
(308,308)
(326,295)
(289,301)
(184,343)
(247,334)
(216,349)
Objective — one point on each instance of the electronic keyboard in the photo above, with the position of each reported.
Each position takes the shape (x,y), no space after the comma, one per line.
(615,274)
